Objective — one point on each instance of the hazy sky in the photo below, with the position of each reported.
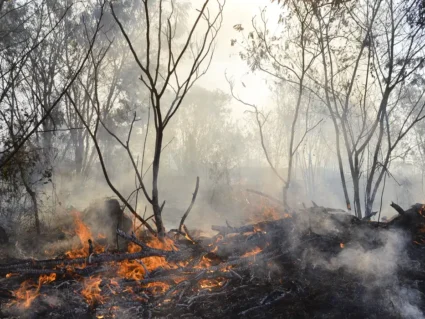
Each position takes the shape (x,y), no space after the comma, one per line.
(227,58)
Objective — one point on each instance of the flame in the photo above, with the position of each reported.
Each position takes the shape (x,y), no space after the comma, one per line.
(253,252)
(152,263)
(92,290)
(341,245)
(204,263)
(84,234)
(28,291)
(101,236)
(265,212)
(158,287)
(82,230)
(210,283)
(130,269)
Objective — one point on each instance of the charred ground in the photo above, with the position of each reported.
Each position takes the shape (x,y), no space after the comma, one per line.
(309,263)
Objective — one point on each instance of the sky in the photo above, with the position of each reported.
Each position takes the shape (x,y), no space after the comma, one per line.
(226,57)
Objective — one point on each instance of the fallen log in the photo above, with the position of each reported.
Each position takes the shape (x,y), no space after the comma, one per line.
(93,259)
(169,255)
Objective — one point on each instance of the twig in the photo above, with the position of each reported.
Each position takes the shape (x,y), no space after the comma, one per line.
(191,204)
(397,208)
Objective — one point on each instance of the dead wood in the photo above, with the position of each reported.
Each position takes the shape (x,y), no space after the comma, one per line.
(133,239)
(368,217)
(93,259)
(190,206)
(397,208)
(277,281)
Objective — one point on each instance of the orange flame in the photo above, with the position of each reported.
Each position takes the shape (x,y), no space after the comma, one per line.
(84,234)
(92,290)
(210,283)
(26,293)
(253,252)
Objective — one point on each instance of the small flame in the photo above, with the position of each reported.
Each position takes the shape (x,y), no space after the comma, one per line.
(210,283)
(101,236)
(28,291)
(341,245)
(158,287)
(92,290)
(253,252)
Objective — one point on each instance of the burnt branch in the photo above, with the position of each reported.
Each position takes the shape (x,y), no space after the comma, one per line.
(190,206)
(397,208)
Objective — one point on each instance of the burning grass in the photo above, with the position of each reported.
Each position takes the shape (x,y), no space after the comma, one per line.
(278,267)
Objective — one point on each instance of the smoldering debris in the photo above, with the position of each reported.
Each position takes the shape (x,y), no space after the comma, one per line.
(282,267)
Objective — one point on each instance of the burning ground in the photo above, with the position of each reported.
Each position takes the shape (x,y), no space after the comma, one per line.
(310,263)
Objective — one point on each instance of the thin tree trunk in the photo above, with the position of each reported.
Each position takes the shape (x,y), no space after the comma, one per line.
(357,202)
(33,199)
(155,168)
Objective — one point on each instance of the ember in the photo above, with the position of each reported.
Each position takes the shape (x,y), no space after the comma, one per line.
(252,269)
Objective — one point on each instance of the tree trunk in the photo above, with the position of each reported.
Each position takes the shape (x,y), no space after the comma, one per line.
(33,199)
(357,202)
(155,168)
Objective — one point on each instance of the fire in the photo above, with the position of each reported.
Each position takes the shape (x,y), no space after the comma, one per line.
(253,252)
(84,234)
(152,263)
(92,290)
(131,270)
(82,230)
(209,284)
(158,287)
(28,291)
(204,263)
(265,212)
(128,269)
(341,245)
(101,236)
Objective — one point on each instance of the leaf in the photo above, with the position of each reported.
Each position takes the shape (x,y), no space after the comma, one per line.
(238,27)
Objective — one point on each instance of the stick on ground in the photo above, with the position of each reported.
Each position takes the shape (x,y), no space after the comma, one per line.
(191,204)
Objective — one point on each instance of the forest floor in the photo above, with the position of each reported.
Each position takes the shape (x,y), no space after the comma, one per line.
(310,263)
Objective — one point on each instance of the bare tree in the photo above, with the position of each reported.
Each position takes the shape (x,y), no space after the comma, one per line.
(370,53)
(168,71)
(264,53)
(27,101)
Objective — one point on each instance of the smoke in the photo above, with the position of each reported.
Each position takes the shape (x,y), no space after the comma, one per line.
(374,259)
(378,263)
